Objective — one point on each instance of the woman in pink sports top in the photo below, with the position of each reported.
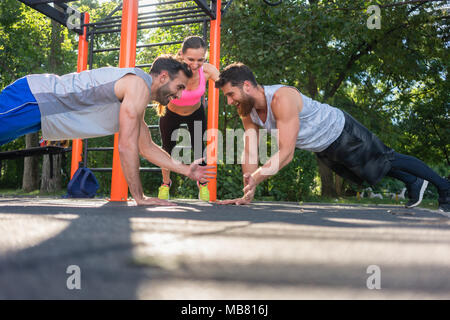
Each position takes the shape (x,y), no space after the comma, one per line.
(189,109)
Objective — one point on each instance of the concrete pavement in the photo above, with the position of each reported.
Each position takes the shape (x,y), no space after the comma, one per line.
(205,251)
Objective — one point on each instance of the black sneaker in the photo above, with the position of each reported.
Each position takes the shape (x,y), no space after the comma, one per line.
(415,192)
(444,201)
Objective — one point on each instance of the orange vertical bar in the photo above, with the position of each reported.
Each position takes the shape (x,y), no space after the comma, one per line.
(77,144)
(213,101)
(127,59)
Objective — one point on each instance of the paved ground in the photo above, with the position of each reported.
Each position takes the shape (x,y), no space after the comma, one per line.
(205,251)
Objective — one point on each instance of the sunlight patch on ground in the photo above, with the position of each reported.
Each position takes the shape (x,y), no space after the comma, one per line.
(38,229)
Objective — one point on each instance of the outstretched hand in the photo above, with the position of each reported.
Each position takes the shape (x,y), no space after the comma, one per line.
(200,173)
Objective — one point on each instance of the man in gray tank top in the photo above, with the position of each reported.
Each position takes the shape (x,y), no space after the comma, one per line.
(341,142)
(97,103)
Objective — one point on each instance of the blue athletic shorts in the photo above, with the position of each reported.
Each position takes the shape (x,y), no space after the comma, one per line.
(19,111)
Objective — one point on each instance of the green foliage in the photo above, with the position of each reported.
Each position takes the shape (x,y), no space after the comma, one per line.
(393,79)
(295,182)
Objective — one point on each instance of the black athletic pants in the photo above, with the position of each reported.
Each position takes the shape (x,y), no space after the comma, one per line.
(172,121)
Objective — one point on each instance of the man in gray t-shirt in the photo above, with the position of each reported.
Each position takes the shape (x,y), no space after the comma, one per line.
(341,142)
(96,103)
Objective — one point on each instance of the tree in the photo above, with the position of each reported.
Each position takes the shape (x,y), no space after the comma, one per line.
(325,49)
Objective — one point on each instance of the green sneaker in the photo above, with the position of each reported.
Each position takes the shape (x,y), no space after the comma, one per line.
(163,192)
(203,192)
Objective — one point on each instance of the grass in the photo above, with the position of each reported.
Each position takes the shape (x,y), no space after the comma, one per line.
(34,193)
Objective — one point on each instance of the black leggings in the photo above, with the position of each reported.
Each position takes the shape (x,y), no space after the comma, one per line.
(407,169)
(172,121)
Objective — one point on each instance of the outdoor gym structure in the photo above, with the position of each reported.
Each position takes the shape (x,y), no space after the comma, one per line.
(127,20)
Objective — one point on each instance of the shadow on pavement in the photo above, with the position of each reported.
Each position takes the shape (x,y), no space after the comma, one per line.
(98,239)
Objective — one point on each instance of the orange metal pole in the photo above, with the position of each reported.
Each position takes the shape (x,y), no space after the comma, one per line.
(213,101)
(77,144)
(127,59)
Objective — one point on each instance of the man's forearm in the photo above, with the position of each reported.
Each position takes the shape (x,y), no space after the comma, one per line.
(249,159)
(275,163)
(130,165)
(249,168)
(162,159)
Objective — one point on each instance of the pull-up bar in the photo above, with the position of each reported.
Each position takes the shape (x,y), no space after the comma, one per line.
(60,12)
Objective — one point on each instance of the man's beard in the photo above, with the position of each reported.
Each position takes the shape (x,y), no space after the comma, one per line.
(245,105)
(163,94)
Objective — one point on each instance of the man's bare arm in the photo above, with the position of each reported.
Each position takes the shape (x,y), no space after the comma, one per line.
(135,99)
(251,140)
(285,109)
(156,155)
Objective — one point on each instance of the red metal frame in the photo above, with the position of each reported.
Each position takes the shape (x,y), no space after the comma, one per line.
(213,101)
(127,59)
(119,186)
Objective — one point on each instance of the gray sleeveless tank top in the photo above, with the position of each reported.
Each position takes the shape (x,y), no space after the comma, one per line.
(320,123)
(80,105)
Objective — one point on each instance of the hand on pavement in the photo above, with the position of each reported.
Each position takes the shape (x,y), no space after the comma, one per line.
(249,192)
(249,187)
(147,201)
(237,201)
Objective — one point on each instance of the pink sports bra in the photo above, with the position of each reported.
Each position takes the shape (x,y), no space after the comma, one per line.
(192,97)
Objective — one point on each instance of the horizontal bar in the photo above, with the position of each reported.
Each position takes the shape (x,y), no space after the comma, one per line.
(142,27)
(169,24)
(49,1)
(156,14)
(104,31)
(106,50)
(156,20)
(163,3)
(167,13)
(54,13)
(147,65)
(140,15)
(198,15)
(171,14)
(160,44)
(204,6)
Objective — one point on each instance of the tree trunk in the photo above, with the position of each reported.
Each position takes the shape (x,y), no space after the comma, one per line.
(51,177)
(326,175)
(339,183)
(327,179)
(53,183)
(30,180)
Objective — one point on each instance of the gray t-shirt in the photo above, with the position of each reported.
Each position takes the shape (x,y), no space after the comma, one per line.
(80,105)
(320,123)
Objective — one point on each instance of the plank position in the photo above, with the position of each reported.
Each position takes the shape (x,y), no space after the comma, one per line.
(96,103)
(340,141)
